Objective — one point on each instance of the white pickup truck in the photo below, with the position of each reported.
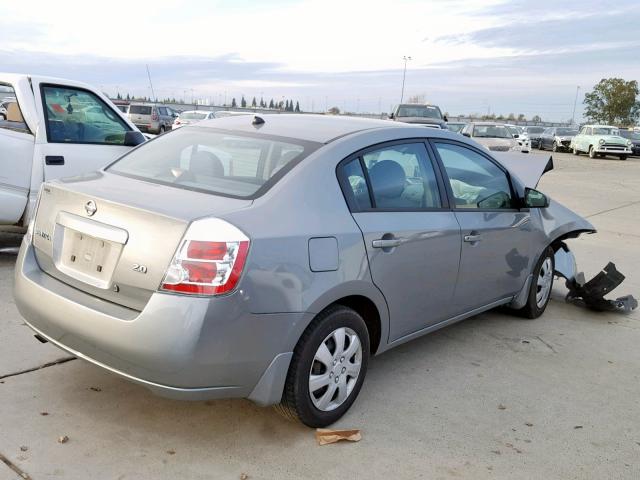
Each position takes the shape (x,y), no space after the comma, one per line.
(53,128)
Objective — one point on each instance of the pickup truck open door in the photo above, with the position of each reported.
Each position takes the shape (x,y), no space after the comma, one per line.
(58,128)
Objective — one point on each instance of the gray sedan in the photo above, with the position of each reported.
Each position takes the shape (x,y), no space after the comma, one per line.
(269,257)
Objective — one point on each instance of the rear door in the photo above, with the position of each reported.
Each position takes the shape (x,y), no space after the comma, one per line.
(83,130)
(412,239)
(16,152)
(496,237)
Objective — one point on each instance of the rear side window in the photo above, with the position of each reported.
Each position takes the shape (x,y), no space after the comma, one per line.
(10,114)
(214,161)
(79,116)
(356,184)
(140,109)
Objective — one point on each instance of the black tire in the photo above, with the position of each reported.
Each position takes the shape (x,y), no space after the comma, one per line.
(554,147)
(623,157)
(532,310)
(592,152)
(296,401)
(540,146)
(162,129)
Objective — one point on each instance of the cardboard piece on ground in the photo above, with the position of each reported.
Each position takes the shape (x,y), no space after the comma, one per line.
(325,436)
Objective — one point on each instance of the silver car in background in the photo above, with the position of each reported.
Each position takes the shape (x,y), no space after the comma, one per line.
(269,257)
(151,117)
(190,117)
(497,137)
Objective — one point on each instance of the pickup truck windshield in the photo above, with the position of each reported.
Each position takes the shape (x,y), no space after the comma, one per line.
(214,161)
(424,111)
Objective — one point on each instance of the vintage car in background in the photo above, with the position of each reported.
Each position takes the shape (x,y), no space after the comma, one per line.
(600,141)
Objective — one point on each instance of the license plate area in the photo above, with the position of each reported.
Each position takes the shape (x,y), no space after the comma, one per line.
(87,251)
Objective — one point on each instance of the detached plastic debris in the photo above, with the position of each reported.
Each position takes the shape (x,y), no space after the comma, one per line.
(591,294)
(325,436)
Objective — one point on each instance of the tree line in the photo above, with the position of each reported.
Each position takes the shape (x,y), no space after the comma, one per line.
(285,105)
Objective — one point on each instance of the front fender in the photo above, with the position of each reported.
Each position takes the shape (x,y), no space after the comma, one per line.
(558,222)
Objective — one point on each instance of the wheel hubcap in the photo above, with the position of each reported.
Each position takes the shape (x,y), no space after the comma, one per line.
(545,279)
(335,369)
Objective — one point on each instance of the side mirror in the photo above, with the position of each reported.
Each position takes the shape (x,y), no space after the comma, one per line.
(535,199)
(391,116)
(133,138)
(515,135)
(446,119)
(466,134)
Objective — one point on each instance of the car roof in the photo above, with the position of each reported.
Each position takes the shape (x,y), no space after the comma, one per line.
(313,128)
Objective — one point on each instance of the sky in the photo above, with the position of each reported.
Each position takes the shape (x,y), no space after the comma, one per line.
(467,56)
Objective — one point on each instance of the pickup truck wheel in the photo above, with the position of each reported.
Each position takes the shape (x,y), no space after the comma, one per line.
(623,157)
(554,147)
(541,285)
(592,152)
(327,369)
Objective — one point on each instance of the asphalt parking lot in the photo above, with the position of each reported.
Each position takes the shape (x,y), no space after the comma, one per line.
(491,397)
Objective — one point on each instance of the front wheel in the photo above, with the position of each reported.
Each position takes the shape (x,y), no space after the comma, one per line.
(541,285)
(575,151)
(592,152)
(327,369)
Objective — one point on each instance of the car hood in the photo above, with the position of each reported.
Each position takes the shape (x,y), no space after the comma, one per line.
(613,139)
(422,120)
(528,169)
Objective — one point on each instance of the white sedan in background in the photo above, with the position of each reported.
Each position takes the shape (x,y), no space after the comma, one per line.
(191,116)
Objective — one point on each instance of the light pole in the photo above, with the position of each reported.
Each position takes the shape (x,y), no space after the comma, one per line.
(575,101)
(404,74)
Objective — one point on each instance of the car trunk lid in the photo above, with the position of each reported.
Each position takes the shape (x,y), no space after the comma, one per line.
(112,236)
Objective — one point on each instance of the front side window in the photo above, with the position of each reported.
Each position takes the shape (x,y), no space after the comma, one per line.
(402,178)
(214,161)
(476,182)
(10,114)
(78,116)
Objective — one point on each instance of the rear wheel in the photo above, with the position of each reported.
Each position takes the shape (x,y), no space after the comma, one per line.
(327,369)
(540,289)
(162,129)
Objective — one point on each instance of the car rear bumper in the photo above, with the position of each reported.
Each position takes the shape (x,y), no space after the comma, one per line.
(179,347)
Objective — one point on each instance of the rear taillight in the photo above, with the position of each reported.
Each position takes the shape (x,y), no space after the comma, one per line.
(177,122)
(204,266)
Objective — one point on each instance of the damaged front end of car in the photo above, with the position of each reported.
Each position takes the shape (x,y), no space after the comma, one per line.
(559,224)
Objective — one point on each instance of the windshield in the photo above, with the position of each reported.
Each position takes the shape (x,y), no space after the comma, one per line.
(629,134)
(140,109)
(491,131)
(423,111)
(605,131)
(455,127)
(535,129)
(214,161)
(192,116)
(566,132)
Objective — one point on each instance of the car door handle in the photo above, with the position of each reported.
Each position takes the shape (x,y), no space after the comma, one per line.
(54,160)
(386,243)
(472,238)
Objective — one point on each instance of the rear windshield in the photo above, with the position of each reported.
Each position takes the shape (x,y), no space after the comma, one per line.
(140,109)
(192,116)
(222,162)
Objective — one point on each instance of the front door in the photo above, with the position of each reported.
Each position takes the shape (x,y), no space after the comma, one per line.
(412,239)
(496,237)
(83,132)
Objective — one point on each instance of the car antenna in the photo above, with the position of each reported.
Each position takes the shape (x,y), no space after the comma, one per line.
(257,121)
